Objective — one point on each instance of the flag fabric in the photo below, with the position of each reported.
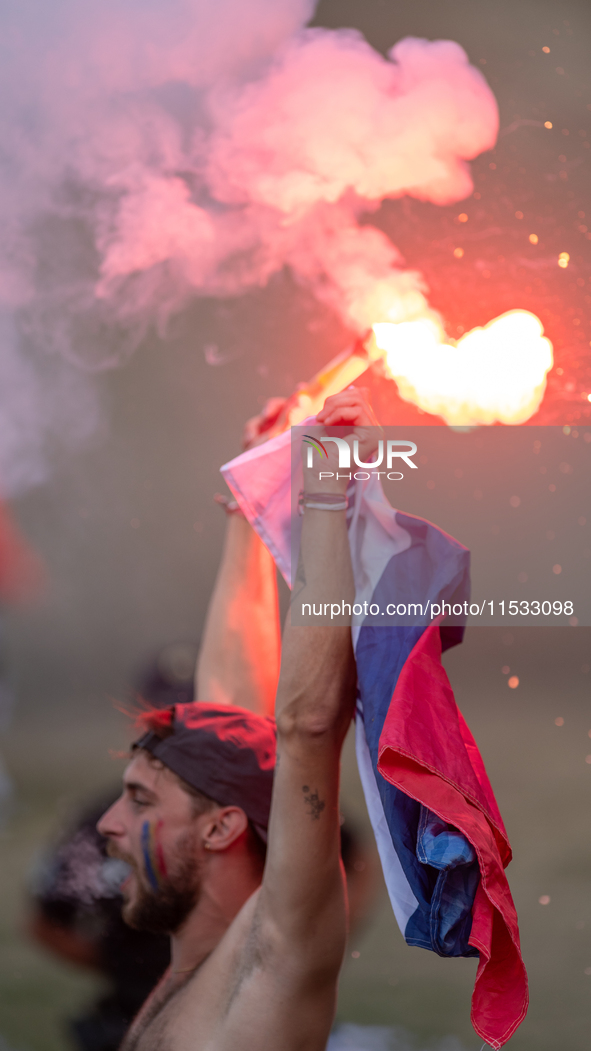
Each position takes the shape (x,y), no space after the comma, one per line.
(440,836)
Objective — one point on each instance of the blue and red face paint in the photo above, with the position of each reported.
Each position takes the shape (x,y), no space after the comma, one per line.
(154,862)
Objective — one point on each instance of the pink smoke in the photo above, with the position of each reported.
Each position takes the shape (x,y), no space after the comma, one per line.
(155,150)
(290,162)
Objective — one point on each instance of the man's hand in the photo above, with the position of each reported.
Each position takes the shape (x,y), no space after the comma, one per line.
(351,406)
(350,409)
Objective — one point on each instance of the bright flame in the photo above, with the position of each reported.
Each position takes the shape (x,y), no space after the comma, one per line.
(492,374)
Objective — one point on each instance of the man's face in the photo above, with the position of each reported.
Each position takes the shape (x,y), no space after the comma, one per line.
(152,827)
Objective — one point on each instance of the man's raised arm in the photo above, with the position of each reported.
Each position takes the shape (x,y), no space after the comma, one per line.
(238,660)
(302,904)
(239,657)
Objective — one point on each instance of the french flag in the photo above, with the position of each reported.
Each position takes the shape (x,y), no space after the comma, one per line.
(439,833)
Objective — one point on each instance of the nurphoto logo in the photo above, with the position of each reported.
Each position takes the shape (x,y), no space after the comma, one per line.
(398,449)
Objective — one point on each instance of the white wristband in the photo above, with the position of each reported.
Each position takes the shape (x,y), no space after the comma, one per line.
(322,501)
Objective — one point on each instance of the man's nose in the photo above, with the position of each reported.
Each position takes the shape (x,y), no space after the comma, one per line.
(110,823)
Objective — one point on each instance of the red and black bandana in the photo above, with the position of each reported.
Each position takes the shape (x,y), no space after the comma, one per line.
(227,753)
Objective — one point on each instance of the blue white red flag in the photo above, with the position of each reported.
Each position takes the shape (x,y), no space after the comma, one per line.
(440,836)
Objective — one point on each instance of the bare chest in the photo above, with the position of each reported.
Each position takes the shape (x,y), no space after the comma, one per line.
(185,1011)
(148,1028)
(162,1022)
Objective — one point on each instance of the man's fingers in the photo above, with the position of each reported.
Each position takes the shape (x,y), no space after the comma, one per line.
(350,396)
(349,406)
(347,414)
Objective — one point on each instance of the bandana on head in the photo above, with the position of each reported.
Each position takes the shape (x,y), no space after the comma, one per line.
(227,753)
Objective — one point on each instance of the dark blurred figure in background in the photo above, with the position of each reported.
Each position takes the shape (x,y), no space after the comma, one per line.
(76,905)
(169,679)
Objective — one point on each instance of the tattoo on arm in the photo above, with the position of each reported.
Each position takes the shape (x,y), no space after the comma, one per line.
(315,804)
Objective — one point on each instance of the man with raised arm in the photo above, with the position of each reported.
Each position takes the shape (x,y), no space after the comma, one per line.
(256,944)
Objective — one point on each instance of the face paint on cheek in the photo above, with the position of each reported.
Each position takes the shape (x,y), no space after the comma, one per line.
(159,853)
(148,854)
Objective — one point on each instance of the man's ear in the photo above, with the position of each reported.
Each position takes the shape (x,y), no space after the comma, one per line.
(224,826)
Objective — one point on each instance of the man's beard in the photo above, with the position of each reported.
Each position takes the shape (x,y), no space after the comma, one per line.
(165,910)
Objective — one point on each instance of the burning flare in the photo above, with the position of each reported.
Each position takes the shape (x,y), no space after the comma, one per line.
(494,374)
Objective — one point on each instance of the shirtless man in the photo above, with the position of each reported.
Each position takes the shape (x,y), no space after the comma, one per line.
(256,946)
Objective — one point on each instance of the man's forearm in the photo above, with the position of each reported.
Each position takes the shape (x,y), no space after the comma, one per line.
(302,903)
(303,891)
(239,657)
(316,668)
